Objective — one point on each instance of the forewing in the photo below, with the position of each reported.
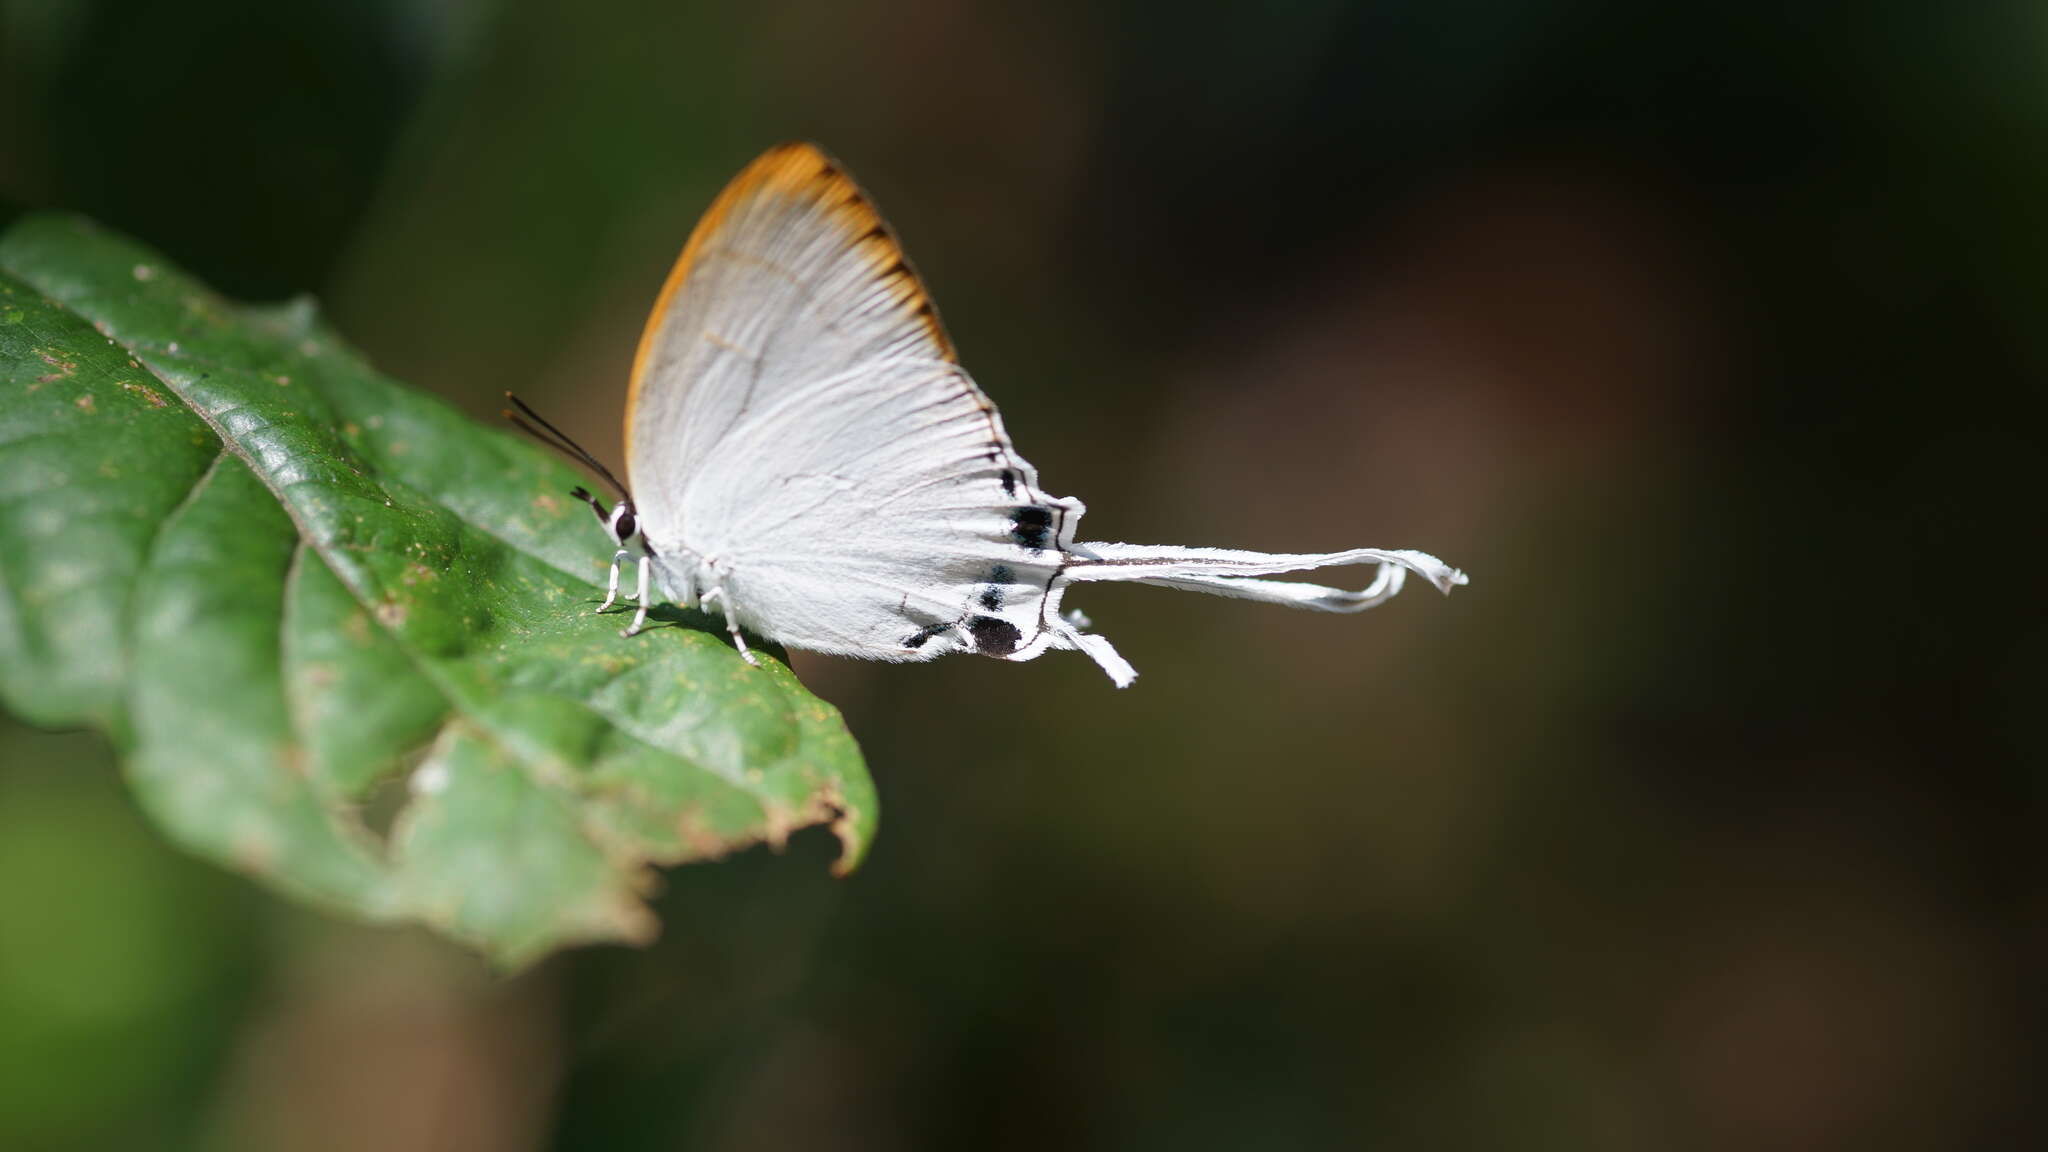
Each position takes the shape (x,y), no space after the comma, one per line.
(790,281)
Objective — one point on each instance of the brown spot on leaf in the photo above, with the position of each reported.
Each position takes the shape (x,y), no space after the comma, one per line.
(699,840)
(254,851)
(86,403)
(777,822)
(155,398)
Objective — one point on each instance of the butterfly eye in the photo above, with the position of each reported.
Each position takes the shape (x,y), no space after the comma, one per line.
(624,527)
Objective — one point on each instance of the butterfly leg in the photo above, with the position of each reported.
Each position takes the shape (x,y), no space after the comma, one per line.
(731,625)
(640,617)
(611,593)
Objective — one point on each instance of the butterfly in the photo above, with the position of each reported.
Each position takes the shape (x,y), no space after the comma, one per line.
(807,455)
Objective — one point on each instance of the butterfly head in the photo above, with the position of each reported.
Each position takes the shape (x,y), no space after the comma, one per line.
(623,525)
(619,521)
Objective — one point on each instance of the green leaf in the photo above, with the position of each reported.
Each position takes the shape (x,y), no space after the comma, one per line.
(300,597)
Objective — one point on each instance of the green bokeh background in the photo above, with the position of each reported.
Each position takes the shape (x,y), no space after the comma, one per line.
(1709,338)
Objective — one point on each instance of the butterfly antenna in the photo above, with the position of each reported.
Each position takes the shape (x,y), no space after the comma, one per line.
(555,438)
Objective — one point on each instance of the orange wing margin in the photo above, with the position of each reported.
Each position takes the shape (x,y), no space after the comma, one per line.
(797,170)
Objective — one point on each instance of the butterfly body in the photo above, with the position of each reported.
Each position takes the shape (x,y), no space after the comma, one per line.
(806,454)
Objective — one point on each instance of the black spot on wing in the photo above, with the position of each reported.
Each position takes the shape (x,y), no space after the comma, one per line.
(923,636)
(991,597)
(1031,526)
(1009,482)
(994,636)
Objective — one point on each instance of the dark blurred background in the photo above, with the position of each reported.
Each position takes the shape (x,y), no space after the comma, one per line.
(1707,337)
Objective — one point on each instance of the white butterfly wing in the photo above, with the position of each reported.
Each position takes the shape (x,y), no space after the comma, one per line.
(790,281)
(798,427)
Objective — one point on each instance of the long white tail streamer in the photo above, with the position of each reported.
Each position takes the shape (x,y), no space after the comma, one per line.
(1229,572)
